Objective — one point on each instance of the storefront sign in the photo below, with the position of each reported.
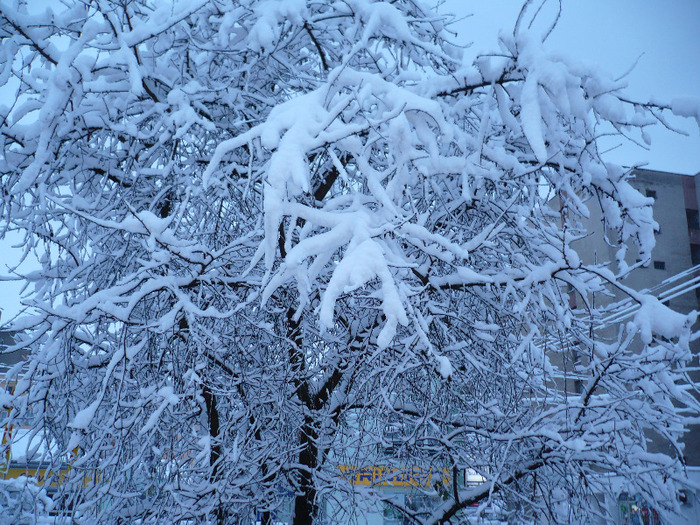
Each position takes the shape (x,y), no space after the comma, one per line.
(395,477)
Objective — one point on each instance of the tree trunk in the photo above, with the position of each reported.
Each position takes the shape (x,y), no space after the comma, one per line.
(305,504)
(213,421)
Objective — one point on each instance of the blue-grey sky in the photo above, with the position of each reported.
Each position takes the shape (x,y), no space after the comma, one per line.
(611,33)
(614,34)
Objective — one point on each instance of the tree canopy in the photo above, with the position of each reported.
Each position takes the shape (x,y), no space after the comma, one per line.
(282,241)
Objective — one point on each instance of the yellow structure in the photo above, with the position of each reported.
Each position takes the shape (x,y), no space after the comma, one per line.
(394,476)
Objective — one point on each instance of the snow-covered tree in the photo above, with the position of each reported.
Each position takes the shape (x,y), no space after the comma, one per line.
(270,230)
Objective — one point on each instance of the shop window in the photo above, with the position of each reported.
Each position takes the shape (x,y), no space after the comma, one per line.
(418,505)
(634,510)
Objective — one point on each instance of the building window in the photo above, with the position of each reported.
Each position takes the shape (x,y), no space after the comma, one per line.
(633,509)
(651,193)
(695,253)
(692,216)
(416,504)
(659,265)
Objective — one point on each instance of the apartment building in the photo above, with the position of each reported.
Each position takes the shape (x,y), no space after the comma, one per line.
(671,277)
(677,247)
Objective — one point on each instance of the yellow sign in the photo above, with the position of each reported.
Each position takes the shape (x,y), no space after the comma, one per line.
(395,477)
(42,474)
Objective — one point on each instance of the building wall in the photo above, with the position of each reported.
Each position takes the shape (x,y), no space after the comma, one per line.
(672,194)
(672,250)
(676,251)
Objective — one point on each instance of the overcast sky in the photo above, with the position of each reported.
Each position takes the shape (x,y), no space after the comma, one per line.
(611,33)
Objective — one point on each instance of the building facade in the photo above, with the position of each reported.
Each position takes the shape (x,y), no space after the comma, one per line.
(672,277)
